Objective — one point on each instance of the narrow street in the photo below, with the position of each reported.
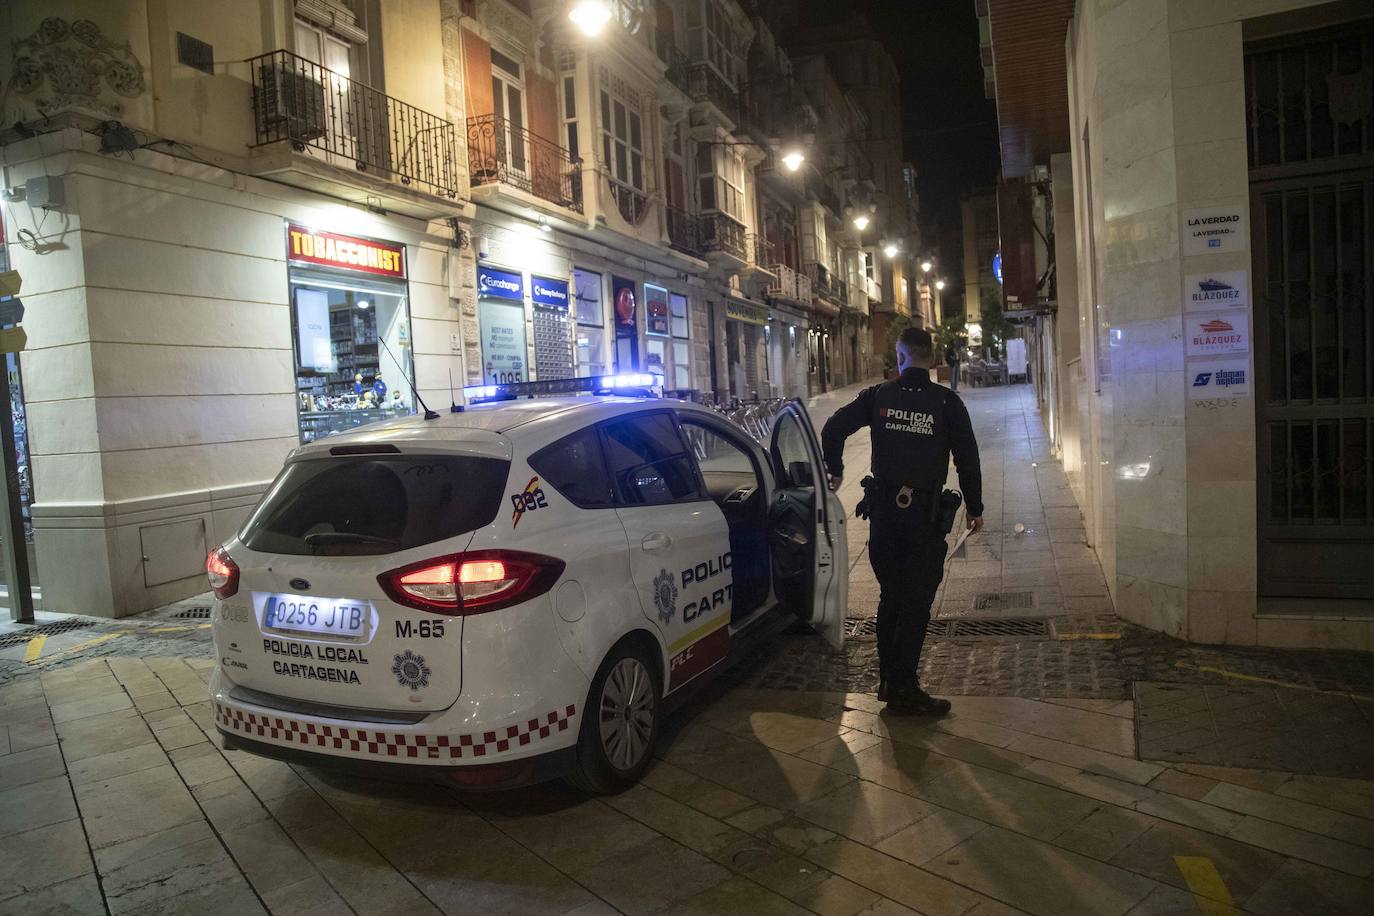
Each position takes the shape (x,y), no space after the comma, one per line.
(783,790)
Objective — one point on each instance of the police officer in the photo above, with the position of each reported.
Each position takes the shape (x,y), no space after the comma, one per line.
(915,424)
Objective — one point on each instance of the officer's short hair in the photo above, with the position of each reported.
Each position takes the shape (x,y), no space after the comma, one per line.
(917,342)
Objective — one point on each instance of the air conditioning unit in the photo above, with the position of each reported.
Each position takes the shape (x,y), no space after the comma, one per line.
(290,105)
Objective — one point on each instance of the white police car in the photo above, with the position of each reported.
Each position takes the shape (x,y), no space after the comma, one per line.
(517,591)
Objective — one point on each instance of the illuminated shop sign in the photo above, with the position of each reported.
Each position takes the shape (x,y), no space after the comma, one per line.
(548,292)
(330,249)
(499,284)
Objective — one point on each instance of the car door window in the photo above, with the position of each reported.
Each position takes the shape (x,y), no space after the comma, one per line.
(575,467)
(649,462)
(790,454)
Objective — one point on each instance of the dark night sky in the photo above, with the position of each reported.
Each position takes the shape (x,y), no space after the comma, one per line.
(950,130)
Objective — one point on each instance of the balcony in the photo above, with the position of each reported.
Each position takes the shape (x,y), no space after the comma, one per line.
(631,203)
(789,284)
(677,67)
(500,153)
(352,125)
(704,84)
(720,233)
(684,232)
(760,252)
(821,280)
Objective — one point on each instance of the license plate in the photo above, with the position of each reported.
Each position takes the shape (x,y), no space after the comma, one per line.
(303,614)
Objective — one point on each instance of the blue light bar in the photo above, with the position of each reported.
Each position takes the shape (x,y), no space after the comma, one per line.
(642,384)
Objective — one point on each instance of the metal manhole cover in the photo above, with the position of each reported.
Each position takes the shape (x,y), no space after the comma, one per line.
(193,613)
(21,637)
(992,601)
(1036,627)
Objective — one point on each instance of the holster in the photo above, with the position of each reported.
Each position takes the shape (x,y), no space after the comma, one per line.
(944,510)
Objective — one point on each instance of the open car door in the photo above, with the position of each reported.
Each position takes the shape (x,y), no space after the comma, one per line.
(807,538)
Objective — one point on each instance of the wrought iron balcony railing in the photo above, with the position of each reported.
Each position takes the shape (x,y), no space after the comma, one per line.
(722,233)
(313,107)
(704,84)
(499,152)
(822,279)
(684,232)
(677,66)
(760,251)
(632,203)
(790,284)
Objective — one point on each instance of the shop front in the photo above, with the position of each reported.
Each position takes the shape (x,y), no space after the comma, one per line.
(351,326)
(553,328)
(667,344)
(746,359)
(787,334)
(501,324)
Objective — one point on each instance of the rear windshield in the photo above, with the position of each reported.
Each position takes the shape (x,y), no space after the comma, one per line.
(375,504)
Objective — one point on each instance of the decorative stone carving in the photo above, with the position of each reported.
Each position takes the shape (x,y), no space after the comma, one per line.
(65,64)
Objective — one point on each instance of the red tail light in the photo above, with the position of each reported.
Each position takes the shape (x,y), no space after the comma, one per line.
(472,583)
(222,572)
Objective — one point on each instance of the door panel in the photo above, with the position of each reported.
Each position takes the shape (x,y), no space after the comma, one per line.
(811,556)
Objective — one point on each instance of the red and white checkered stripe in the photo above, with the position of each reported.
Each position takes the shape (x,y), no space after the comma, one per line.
(392,744)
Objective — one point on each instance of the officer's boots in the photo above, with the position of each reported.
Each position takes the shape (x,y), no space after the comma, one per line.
(915,702)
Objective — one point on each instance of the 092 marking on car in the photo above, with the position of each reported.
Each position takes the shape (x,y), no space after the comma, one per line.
(527,500)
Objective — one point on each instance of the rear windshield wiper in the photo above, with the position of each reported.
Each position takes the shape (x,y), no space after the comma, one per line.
(320,538)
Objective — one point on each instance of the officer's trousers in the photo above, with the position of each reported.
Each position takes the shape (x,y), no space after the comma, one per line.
(908,558)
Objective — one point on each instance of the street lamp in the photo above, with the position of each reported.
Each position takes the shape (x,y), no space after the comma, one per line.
(926,266)
(939,284)
(793,159)
(590,16)
(861,221)
(891,249)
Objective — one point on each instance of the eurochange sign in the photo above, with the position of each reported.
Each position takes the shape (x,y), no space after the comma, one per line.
(500,284)
(330,249)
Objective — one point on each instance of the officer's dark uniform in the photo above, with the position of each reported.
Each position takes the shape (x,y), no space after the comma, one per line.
(915,424)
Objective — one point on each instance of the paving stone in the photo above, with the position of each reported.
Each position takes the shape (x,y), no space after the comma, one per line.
(1349,795)
(95,735)
(1017,804)
(736,895)
(117,763)
(166,872)
(309,897)
(24,767)
(134,804)
(892,878)
(73,897)
(1186,785)
(45,856)
(836,896)
(268,857)
(25,736)
(578,836)
(1303,887)
(1308,817)
(229,804)
(1189,812)
(652,876)
(36,804)
(92,706)
(932,835)
(1105,832)
(1038,877)
(1300,844)
(864,812)
(1243,868)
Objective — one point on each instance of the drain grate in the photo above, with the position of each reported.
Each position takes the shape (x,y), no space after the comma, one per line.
(1006,601)
(20,637)
(961,628)
(1035,627)
(861,627)
(193,613)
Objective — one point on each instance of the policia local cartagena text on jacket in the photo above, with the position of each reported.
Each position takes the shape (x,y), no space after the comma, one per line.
(915,425)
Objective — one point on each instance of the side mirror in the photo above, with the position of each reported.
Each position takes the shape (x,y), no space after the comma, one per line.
(799,474)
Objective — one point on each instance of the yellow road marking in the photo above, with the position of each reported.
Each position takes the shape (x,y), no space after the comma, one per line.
(1210,892)
(199,626)
(1088,636)
(34,649)
(83,645)
(1250,677)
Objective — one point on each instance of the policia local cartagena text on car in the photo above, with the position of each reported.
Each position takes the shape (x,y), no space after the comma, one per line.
(915,424)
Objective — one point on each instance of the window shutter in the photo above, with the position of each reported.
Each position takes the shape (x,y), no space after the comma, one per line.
(477,73)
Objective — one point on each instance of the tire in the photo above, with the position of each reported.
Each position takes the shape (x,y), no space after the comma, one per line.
(613,748)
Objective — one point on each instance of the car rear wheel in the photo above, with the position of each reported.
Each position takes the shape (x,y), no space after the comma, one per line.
(619,732)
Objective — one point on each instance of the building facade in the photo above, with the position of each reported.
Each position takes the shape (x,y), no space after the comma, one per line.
(250,227)
(1205,364)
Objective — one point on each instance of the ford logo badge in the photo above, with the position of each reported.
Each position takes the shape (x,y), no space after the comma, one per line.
(300,585)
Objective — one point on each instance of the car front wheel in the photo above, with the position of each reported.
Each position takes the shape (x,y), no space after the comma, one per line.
(617,738)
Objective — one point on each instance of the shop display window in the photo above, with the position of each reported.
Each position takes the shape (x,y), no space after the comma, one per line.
(353,350)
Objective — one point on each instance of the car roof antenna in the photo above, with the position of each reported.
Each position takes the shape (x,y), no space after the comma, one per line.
(429,414)
(453,401)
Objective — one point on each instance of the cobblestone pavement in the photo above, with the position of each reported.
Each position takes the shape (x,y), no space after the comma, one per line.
(115,796)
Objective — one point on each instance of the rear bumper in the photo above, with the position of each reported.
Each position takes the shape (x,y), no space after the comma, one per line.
(473,777)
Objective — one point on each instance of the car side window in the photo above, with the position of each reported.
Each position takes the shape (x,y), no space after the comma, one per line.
(791,455)
(575,467)
(649,462)
(716,452)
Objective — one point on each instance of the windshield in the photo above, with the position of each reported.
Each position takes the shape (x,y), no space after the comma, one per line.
(375,504)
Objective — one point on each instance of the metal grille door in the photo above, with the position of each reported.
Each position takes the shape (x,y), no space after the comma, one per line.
(1312,222)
